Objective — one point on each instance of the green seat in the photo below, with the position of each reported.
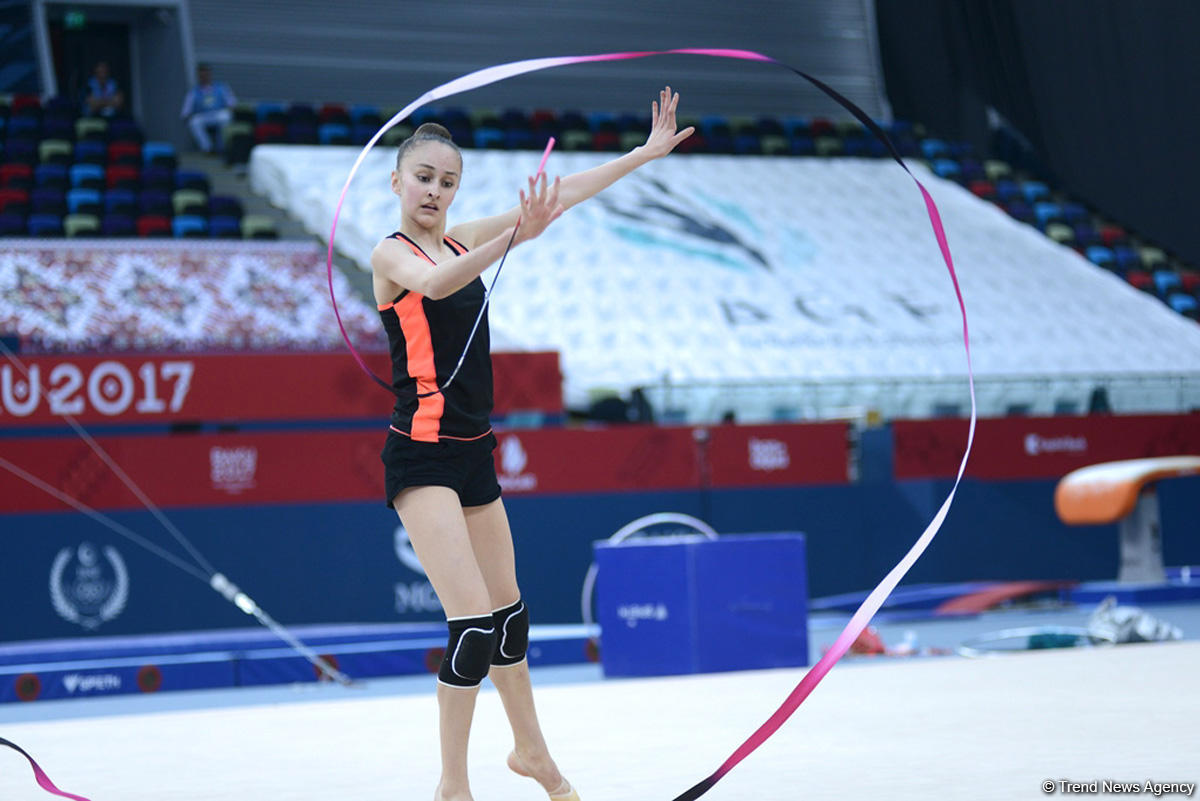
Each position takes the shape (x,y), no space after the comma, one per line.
(828,146)
(997,169)
(93,128)
(189,201)
(775,145)
(1061,233)
(396,134)
(258,226)
(235,128)
(849,128)
(1151,256)
(577,139)
(55,151)
(75,225)
(632,139)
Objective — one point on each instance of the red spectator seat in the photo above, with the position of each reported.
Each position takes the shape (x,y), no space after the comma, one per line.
(15,201)
(822,127)
(154,225)
(1140,279)
(270,132)
(122,176)
(983,189)
(25,104)
(1112,235)
(125,153)
(16,176)
(334,112)
(606,140)
(1189,280)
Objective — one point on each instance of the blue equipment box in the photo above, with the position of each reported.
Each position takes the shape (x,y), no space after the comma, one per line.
(670,605)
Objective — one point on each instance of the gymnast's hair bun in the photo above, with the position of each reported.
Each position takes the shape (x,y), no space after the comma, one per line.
(432,129)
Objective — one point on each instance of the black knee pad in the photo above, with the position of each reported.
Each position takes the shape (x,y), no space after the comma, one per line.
(512,634)
(469,651)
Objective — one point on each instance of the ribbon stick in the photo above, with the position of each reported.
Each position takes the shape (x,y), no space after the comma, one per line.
(875,599)
(42,779)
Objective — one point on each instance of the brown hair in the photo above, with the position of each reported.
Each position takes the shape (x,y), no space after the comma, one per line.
(426,132)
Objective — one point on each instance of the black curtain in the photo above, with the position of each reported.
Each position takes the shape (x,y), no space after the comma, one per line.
(1103,96)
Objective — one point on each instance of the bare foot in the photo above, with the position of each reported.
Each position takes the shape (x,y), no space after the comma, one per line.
(438,795)
(542,770)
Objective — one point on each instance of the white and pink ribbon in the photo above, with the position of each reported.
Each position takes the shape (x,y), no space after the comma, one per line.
(860,619)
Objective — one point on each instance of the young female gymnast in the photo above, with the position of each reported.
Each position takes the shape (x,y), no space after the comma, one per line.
(439,473)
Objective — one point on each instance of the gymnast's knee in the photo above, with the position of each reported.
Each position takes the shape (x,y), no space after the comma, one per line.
(469,651)
(512,634)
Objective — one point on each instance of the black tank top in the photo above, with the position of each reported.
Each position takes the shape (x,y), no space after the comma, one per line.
(426,338)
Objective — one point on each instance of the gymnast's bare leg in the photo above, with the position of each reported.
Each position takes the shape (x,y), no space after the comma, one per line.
(491,540)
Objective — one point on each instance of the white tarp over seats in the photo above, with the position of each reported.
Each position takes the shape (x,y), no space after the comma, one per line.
(771,271)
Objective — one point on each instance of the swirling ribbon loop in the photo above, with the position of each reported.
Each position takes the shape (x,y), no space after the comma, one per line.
(875,599)
(42,779)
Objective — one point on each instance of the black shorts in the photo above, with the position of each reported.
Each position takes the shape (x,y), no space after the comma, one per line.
(465,466)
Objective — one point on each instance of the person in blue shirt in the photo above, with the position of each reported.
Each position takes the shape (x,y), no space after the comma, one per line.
(208,105)
(104,98)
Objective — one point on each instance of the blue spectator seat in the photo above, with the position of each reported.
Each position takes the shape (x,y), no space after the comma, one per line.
(160,178)
(30,127)
(58,128)
(48,201)
(489,136)
(154,202)
(802,145)
(526,139)
(1007,190)
(1165,281)
(361,133)
(934,148)
(333,133)
(364,114)
(946,168)
(1034,191)
(87,176)
(1101,256)
(300,113)
(1127,258)
(45,225)
(91,152)
(1046,212)
(12,224)
(122,129)
(972,169)
(302,133)
(21,149)
(1086,235)
(192,179)
(270,111)
(50,175)
(84,201)
(1075,213)
(187,226)
(224,206)
(120,201)
(117,225)
(1020,210)
(225,227)
(1184,303)
(159,154)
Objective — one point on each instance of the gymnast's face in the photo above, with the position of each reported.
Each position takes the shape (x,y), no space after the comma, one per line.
(427,181)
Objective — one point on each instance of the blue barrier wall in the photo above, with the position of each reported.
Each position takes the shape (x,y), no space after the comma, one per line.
(339,562)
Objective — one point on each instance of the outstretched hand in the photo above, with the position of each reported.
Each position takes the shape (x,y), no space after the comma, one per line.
(538,209)
(663,137)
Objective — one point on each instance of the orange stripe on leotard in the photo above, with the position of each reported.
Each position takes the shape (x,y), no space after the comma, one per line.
(418,344)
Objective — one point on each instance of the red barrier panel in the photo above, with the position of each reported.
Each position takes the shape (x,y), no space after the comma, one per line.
(779,455)
(233,468)
(157,388)
(1036,447)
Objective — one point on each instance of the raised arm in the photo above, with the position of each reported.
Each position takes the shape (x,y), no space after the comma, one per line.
(394,262)
(580,186)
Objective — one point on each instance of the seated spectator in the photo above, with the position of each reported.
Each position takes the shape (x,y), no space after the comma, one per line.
(104,98)
(208,105)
